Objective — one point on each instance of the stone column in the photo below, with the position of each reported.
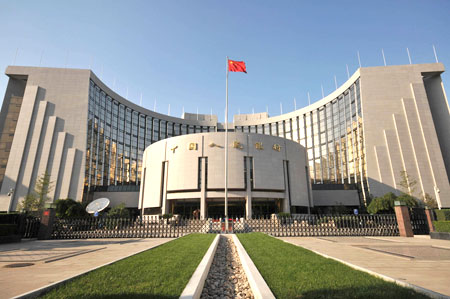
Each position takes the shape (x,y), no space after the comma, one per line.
(46,227)
(285,205)
(430,218)
(165,204)
(403,220)
(248,197)
(203,190)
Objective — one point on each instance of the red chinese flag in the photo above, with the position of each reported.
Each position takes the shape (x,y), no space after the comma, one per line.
(236,66)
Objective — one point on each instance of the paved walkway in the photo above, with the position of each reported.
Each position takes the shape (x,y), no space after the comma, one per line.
(420,261)
(55,260)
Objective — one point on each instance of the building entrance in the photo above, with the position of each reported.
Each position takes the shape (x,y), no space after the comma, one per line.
(236,209)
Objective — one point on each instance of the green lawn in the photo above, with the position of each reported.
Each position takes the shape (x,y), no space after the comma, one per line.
(294,272)
(162,272)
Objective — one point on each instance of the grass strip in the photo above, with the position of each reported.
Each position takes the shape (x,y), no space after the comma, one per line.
(162,272)
(294,272)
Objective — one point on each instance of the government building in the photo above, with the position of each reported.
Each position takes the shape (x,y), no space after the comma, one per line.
(340,151)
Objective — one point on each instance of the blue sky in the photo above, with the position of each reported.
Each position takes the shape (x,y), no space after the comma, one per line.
(174,51)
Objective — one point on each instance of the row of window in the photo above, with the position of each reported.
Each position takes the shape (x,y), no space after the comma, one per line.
(332,135)
(118,135)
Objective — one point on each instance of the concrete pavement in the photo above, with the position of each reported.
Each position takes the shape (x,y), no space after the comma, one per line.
(421,261)
(34,264)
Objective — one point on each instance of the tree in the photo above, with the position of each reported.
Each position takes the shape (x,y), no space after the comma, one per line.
(429,201)
(407,183)
(34,201)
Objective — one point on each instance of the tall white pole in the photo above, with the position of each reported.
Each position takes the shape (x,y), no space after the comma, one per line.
(42,54)
(295,104)
(384,58)
(226,152)
(335,81)
(323,94)
(409,56)
(435,55)
(348,73)
(309,99)
(281,108)
(359,60)
(168,112)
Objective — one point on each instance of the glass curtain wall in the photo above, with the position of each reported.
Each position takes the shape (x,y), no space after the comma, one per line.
(332,136)
(116,140)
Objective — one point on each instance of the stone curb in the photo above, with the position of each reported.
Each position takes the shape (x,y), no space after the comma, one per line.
(195,285)
(259,286)
(416,288)
(36,292)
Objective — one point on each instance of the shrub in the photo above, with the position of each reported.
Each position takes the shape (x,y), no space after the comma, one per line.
(166,216)
(382,204)
(8,229)
(282,214)
(408,200)
(119,211)
(442,226)
(66,208)
(443,215)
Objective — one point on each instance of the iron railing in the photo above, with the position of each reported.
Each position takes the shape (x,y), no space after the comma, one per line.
(153,226)
(419,221)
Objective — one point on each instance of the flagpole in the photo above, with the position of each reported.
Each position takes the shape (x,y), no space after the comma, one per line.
(226,153)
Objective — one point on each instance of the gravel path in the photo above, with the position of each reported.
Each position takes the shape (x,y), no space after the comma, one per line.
(226,277)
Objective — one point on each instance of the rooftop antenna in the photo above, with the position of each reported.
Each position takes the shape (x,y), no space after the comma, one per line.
(359,59)
(140,101)
(168,112)
(309,99)
(281,108)
(253,110)
(435,55)
(384,58)
(154,106)
(348,73)
(67,59)
(323,95)
(295,104)
(211,113)
(409,56)
(40,60)
(335,81)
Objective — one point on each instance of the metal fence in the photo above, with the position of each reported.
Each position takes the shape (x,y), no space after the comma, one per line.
(419,221)
(300,225)
(29,227)
(322,225)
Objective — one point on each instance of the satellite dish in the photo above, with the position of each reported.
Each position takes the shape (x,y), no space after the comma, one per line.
(97,205)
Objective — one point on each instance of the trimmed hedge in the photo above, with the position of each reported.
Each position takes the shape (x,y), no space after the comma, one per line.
(442,226)
(442,215)
(8,229)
